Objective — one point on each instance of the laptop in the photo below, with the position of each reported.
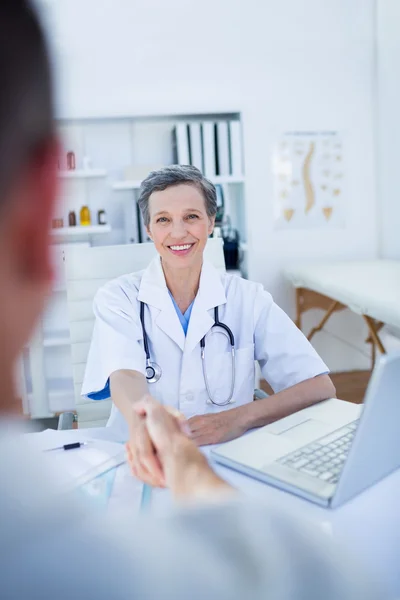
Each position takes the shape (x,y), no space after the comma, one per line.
(330,452)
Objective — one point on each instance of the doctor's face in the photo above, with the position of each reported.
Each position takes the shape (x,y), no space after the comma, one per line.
(179,225)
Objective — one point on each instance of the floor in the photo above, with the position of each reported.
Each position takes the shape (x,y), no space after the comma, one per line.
(349,385)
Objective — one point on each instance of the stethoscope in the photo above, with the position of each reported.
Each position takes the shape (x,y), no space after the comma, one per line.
(154,372)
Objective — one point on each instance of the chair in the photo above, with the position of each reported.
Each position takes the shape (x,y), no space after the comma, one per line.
(86,270)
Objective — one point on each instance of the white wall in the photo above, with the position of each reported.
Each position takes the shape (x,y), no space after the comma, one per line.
(388,125)
(285,65)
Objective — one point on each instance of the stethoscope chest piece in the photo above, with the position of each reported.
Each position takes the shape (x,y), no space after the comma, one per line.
(153,372)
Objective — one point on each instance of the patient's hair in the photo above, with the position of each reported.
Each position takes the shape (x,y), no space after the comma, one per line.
(26,101)
(158,181)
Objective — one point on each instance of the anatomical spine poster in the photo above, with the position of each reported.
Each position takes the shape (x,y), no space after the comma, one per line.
(309,178)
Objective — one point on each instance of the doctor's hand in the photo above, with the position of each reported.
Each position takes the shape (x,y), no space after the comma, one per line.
(218,427)
(186,471)
(141,453)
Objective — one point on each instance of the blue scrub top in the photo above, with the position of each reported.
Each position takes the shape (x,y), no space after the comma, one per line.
(183,318)
(184,321)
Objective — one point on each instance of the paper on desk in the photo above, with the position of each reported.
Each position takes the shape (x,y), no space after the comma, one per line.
(100,489)
(51,438)
(73,468)
(126,494)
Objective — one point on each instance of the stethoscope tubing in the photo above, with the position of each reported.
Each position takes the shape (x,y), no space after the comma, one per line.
(153,370)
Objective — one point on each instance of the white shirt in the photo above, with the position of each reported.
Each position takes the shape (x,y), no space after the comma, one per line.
(262,332)
(52,547)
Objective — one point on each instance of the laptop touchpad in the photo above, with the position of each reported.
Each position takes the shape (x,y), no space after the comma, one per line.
(306,432)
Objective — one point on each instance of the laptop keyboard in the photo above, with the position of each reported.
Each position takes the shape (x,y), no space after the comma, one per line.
(325,457)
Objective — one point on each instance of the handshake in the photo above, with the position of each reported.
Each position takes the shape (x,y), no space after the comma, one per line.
(161,453)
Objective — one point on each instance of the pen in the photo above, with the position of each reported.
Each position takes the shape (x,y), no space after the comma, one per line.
(71,446)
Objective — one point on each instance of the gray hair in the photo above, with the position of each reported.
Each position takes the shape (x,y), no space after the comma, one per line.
(162,179)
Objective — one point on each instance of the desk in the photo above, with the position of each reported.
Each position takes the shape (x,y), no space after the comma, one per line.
(369,288)
(368,526)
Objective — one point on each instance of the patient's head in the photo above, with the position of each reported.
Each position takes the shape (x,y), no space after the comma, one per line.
(28,180)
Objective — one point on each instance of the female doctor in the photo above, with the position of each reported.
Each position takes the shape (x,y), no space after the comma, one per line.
(189,335)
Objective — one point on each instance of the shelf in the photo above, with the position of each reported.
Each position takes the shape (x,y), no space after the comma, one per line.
(135,184)
(227,179)
(83,174)
(129,184)
(80,230)
(58,338)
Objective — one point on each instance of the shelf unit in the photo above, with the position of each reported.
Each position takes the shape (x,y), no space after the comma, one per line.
(126,148)
(135,184)
(126,185)
(81,230)
(83,174)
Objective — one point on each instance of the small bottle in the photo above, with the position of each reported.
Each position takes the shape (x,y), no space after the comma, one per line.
(85,216)
(101,217)
(72,218)
(71,165)
(57,223)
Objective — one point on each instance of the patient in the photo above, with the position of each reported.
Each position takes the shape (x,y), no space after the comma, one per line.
(53,548)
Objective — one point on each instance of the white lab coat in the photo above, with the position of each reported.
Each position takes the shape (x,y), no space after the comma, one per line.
(261,329)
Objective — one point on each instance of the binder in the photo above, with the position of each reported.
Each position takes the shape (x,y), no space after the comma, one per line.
(236,151)
(195,149)
(222,144)
(220,203)
(209,148)
(181,144)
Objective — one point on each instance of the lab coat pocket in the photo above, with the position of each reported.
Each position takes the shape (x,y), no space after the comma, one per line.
(244,377)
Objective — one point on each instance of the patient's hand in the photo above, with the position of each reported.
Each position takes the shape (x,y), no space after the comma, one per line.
(186,471)
(141,454)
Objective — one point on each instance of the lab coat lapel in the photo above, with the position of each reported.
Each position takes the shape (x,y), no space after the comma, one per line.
(154,292)
(211,294)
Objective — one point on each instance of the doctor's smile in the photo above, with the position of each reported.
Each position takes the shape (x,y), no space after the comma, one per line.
(189,335)
(181,250)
